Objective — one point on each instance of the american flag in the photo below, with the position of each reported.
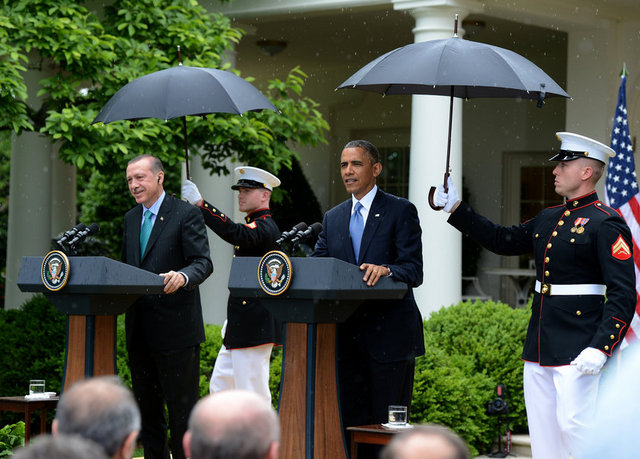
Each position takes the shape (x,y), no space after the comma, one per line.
(621,191)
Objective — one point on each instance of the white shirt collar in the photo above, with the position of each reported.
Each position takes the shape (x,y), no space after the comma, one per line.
(155,207)
(367,199)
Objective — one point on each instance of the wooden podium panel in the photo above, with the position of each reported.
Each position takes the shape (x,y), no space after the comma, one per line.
(98,289)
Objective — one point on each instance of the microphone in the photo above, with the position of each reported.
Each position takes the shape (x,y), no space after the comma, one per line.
(82,235)
(311,231)
(285,236)
(70,234)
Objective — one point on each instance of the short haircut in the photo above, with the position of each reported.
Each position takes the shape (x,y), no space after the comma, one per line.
(60,447)
(367,146)
(100,409)
(249,435)
(393,449)
(156,164)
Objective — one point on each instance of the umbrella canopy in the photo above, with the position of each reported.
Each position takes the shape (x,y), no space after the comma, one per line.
(181,91)
(471,69)
(456,68)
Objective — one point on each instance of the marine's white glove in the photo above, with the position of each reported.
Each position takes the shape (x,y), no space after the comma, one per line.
(590,361)
(190,193)
(447,200)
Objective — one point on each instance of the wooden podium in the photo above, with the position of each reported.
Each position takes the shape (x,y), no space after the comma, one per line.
(97,290)
(322,293)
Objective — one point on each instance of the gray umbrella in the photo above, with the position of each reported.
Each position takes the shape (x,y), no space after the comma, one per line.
(181,91)
(456,68)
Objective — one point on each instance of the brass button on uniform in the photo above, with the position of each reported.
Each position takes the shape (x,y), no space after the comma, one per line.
(573,240)
(545,289)
(546,273)
(575,203)
(537,234)
(244,303)
(554,234)
(549,245)
(546,259)
(567,213)
(578,312)
(561,222)
(612,337)
(617,325)
(606,348)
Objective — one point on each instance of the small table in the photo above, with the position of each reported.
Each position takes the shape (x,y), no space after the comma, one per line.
(28,406)
(521,279)
(373,434)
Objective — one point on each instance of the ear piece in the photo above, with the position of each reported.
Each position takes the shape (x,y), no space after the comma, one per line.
(158,179)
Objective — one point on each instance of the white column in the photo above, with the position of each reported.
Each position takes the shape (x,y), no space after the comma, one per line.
(216,190)
(29,227)
(442,245)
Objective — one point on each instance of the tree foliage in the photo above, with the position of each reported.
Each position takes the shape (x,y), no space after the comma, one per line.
(89,55)
(93,54)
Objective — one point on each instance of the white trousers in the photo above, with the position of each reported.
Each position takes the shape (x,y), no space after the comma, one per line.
(561,405)
(246,368)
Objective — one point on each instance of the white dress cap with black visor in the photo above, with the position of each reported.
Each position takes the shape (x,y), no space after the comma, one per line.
(576,146)
(254,177)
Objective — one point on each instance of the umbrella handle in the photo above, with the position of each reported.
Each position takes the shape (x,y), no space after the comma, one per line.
(432,192)
(432,203)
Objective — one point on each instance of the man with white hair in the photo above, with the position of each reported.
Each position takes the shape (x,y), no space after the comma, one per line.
(232,424)
(103,410)
(582,249)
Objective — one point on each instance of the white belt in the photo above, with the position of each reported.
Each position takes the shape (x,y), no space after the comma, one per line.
(570,289)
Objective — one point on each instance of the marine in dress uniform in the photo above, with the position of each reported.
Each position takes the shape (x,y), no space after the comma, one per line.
(250,331)
(582,250)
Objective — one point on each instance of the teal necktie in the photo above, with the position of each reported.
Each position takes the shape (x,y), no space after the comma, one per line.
(356,227)
(145,231)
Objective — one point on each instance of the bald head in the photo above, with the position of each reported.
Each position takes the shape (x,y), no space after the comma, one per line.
(233,423)
(427,442)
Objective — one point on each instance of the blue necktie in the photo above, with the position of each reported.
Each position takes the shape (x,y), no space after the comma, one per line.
(145,231)
(356,227)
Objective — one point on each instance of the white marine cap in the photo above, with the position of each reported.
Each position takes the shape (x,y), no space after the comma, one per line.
(254,177)
(576,146)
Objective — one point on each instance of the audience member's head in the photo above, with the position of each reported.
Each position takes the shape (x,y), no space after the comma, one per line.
(426,442)
(102,410)
(232,423)
(60,447)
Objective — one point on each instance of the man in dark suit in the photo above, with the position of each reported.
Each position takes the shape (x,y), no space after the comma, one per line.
(166,236)
(378,344)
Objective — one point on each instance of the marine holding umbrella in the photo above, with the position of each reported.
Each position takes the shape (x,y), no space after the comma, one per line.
(250,330)
(583,250)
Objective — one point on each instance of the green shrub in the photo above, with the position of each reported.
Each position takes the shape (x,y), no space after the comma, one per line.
(32,347)
(470,349)
(11,437)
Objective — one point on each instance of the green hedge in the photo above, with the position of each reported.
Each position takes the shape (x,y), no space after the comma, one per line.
(470,348)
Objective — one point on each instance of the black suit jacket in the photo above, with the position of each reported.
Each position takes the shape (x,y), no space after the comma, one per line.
(177,242)
(390,330)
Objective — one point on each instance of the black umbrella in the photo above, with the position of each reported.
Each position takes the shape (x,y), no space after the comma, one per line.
(456,68)
(181,91)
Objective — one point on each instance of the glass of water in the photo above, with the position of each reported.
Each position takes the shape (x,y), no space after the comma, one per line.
(397,415)
(36,387)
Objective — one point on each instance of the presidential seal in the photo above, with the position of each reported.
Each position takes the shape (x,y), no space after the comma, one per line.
(274,272)
(55,270)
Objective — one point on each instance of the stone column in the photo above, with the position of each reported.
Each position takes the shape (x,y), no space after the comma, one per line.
(29,228)
(442,245)
(42,191)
